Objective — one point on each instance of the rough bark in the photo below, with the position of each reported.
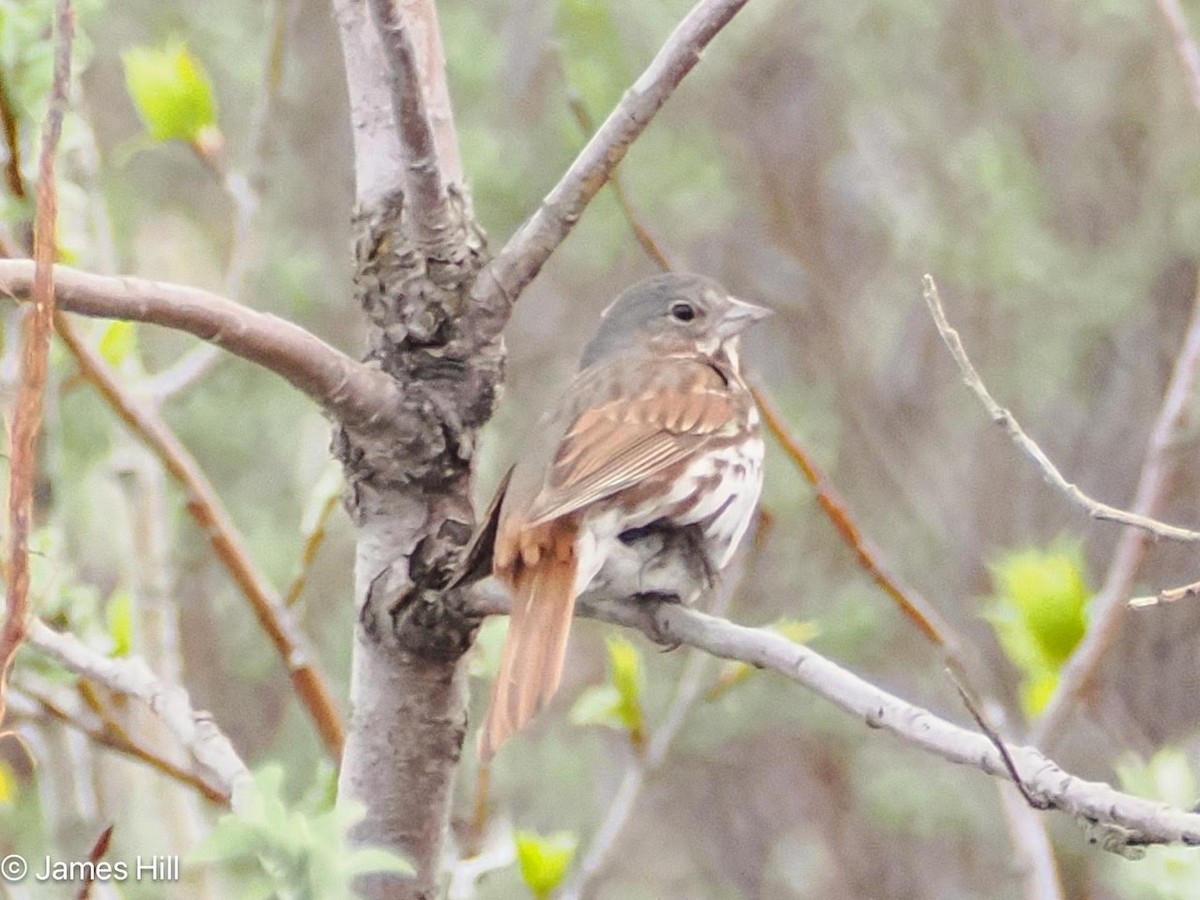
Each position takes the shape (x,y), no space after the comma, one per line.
(409,479)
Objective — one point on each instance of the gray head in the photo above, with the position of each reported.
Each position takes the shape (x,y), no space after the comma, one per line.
(668,314)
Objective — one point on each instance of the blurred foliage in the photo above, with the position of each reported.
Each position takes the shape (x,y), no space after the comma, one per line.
(617,703)
(292,853)
(1039,613)
(1165,873)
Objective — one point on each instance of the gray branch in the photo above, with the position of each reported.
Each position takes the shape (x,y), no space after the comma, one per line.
(1118,822)
(519,262)
(195,730)
(349,390)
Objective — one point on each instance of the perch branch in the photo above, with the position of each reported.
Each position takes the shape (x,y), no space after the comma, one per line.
(210,515)
(1108,606)
(1120,821)
(1017,435)
(195,730)
(347,389)
(528,249)
(27,417)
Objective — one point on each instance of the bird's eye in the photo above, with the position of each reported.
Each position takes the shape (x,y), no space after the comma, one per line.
(684,312)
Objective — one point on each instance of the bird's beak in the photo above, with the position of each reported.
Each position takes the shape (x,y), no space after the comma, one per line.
(740,315)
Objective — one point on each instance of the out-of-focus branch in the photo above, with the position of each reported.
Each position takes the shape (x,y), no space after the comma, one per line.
(1117,822)
(1005,419)
(1185,47)
(27,417)
(528,249)
(349,390)
(195,730)
(207,510)
(1108,607)
(583,117)
(99,732)
(426,199)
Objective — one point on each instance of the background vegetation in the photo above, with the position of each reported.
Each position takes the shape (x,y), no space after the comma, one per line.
(1041,158)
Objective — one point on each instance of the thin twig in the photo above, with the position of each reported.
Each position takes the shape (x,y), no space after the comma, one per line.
(349,390)
(27,417)
(1008,422)
(919,611)
(210,515)
(1108,607)
(195,730)
(312,543)
(426,201)
(99,848)
(120,742)
(12,143)
(583,117)
(528,249)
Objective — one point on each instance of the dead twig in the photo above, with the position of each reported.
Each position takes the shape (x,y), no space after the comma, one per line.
(27,418)
(210,515)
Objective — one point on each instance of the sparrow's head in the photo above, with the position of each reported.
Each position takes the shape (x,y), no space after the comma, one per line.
(669,314)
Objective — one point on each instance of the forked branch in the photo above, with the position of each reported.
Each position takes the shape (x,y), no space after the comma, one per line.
(528,249)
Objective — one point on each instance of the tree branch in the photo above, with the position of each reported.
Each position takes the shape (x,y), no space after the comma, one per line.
(210,515)
(424,185)
(101,734)
(528,249)
(1116,821)
(1108,606)
(1005,419)
(196,731)
(350,391)
(27,417)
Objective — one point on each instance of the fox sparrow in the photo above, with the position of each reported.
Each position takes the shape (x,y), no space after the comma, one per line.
(656,434)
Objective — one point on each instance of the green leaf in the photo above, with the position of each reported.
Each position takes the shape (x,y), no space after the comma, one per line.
(1039,615)
(599,704)
(544,860)
(625,675)
(172,92)
(118,342)
(118,619)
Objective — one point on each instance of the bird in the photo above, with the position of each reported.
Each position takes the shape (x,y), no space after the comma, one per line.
(656,436)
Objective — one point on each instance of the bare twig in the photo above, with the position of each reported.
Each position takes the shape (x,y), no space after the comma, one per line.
(528,249)
(1008,422)
(1185,47)
(114,739)
(347,389)
(196,731)
(97,853)
(312,543)
(426,189)
(27,418)
(1109,605)
(207,510)
(583,117)
(12,143)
